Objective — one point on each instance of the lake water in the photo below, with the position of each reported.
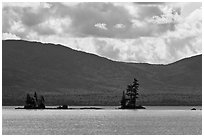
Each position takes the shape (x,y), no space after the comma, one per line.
(108,121)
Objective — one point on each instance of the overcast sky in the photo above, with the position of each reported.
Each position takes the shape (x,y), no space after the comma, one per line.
(158,33)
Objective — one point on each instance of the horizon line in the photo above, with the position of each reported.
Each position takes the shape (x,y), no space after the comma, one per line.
(129,62)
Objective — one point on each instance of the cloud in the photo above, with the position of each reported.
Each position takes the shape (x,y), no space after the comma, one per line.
(101,26)
(86,15)
(106,50)
(52,26)
(170,15)
(138,24)
(147,49)
(138,32)
(191,26)
(148,11)
(83,18)
(119,26)
(22,17)
(149,3)
(6,36)
(133,50)
(26,4)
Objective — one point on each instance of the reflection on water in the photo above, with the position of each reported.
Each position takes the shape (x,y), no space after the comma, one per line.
(106,121)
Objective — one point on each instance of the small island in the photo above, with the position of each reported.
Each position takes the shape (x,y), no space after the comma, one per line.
(129,97)
(34,102)
(39,103)
(128,100)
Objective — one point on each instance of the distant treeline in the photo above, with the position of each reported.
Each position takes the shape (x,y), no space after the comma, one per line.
(83,97)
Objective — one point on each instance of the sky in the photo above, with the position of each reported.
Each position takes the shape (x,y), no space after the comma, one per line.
(145,32)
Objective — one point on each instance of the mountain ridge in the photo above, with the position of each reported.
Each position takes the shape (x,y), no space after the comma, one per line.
(61,45)
(68,76)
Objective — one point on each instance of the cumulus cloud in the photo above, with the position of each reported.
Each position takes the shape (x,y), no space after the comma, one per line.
(170,15)
(134,50)
(52,26)
(6,36)
(165,19)
(26,4)
(84,17)
(106,50)
(149,3)
(101,26)
(22,18)
(191,26)
(119,26)
(138,23)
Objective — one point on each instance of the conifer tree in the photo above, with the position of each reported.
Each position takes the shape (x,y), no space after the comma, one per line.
(132,93)
(41,102)
(123,101)
(28,99)
(36,96)
(135,90)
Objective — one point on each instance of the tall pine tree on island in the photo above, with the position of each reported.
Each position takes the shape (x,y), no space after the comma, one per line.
(123,101)
(129,98)
(135,90)
(34,102)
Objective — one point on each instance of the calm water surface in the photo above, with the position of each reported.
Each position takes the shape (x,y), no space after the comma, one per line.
(109,121)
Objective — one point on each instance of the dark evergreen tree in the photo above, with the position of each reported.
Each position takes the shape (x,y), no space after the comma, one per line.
(123,101)
(132,93)
(30,102)
(34,102)
(129,91)
(28,99)
(36,96)
(41,104)
(135,90)
(43,99)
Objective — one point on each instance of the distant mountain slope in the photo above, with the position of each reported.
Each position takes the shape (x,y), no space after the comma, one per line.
(67,76)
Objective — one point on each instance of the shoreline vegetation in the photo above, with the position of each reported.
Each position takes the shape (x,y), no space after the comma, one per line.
(130,96)
(60,108)
(128,100)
